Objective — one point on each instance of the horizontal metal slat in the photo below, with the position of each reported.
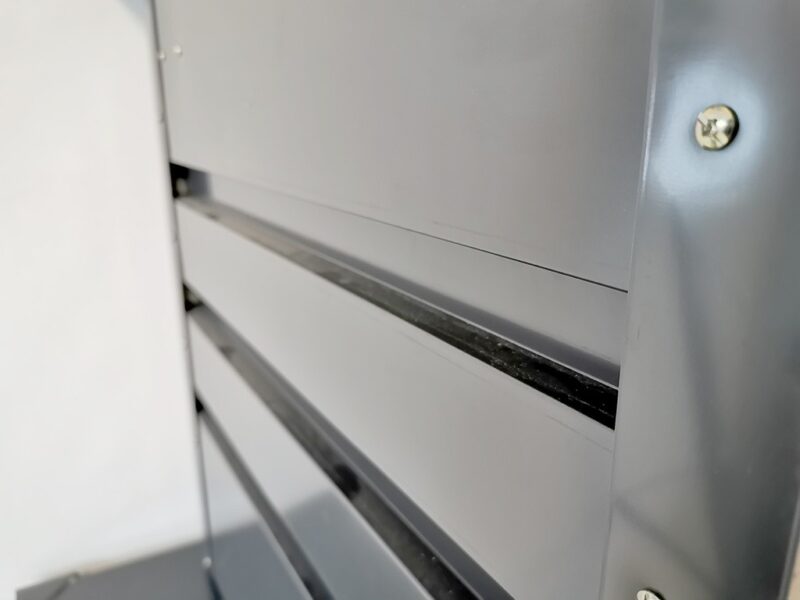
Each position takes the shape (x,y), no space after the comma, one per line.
(350,560)
(516,128)
(443,569)
(515,478)
(584,394)
(575,322)
(247,558)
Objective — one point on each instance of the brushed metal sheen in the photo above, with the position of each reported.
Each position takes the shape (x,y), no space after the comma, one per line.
(518,480)
(708,432)
(512,126)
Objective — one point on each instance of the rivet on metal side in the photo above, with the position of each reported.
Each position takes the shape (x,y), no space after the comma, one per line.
(648,595)
(716,127)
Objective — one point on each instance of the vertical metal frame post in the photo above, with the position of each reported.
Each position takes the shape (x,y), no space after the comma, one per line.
(705,485)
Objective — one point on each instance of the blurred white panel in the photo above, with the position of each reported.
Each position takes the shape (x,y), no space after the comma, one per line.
(96,447)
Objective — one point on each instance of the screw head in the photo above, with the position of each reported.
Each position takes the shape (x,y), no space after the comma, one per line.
(716,127)
(647,595)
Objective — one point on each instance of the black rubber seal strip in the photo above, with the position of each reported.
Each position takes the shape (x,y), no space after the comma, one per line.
(432,557)
(588,396)
(285,538)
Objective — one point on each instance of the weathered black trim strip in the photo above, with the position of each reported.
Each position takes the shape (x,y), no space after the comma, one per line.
(576,390)
(437,562)
(286,540)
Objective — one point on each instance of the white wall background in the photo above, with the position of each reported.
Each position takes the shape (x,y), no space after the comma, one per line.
(96,446)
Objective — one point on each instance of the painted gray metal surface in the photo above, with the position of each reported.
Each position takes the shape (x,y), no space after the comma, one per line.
(516,128)
(349,557)
(708,441)
(513,126)
(574,322)
(247,562)
(518,480)
(420,544)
